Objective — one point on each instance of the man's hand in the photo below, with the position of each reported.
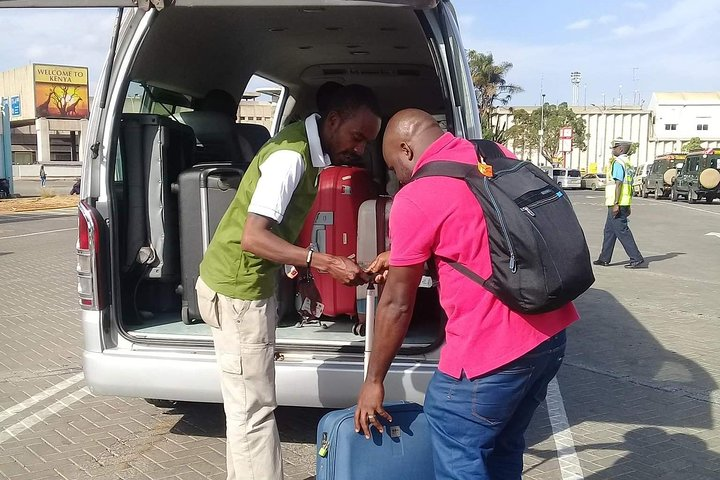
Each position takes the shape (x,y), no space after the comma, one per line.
(379,267)
(346,271)
(616,210)
(369,407)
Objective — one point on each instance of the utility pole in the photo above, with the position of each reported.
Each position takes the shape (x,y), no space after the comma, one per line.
(542,128)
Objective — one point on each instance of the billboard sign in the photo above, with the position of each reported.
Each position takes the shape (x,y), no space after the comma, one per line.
(15,106)
(61,91)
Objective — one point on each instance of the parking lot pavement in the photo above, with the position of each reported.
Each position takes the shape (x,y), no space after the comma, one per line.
(636,398)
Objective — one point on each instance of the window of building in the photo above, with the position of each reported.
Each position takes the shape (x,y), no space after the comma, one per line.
(702,126)
(671,126)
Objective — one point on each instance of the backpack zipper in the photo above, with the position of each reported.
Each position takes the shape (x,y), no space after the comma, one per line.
(528,208)
(512,263)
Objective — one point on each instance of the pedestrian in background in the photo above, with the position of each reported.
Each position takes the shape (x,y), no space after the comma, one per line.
(618,197)
(43,176)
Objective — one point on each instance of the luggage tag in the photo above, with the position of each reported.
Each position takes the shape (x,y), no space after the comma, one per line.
(485,169)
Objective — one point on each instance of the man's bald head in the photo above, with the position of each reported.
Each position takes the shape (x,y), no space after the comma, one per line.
(408,134)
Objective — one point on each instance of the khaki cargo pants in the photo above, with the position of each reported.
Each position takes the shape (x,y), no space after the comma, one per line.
(244,336)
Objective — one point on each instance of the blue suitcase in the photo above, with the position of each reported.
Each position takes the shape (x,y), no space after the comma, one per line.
(402,451)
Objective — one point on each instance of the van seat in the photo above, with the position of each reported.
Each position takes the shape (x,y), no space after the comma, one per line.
(217,139)
(154,149)
(256,135)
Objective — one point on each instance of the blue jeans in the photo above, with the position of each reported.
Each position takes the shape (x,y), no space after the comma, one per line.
(478,425)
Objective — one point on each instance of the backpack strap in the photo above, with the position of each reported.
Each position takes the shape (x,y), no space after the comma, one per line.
(443,168)
(488,149)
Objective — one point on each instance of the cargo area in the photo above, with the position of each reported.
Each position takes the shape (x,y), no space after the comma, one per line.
(171,143)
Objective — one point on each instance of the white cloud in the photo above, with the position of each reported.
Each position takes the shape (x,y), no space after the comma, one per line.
(72,37)
(623,31)
(605,19)
(580,24)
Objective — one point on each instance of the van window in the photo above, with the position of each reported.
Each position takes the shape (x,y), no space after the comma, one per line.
(144,98)
(574,173)
(559,172)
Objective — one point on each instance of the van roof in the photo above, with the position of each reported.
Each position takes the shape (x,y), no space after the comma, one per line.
(371,45)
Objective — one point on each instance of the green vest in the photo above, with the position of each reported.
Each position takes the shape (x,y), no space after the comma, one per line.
(626,192)
(226,267)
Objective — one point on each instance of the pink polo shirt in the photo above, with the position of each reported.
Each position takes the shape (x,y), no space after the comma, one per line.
(441,216)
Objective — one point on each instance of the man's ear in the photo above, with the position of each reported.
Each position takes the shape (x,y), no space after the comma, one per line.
(407,151)
(332,119)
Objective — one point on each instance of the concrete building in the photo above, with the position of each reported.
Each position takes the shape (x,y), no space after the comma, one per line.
(688,114)
(253,109)
(49,108)
(679,116)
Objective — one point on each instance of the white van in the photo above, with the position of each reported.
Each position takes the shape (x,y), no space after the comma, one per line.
(567,178)
(171,54)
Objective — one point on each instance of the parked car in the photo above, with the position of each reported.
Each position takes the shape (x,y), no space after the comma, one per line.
(135,342)
(567,178)
(699,177)
(662,173)
(639,177)
(593,181)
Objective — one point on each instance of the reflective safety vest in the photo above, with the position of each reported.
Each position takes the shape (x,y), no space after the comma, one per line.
(626,193)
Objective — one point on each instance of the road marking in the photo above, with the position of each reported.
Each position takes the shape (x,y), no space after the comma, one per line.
(713,233)
(39,233)
(49,392)
(696,209)
(35,418)
(567,457)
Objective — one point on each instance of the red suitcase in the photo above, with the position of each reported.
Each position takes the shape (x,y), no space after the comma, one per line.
(331,226)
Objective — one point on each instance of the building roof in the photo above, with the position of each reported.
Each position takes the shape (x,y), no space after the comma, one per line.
(687,98)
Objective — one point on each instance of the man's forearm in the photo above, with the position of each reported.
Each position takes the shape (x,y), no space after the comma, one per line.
(265,244)
(391,325)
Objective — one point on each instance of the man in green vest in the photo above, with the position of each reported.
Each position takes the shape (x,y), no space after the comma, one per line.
(618,197)
(236,289)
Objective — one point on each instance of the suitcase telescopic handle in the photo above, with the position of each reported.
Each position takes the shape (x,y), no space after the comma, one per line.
(369,324)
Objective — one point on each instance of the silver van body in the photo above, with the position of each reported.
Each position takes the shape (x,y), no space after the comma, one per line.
(171,53)
(567,178)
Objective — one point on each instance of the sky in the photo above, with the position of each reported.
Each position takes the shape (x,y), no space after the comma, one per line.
(622,48)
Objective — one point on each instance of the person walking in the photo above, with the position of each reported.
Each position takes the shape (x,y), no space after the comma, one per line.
(496,364)
(618,197)
(236,288)
(43,176)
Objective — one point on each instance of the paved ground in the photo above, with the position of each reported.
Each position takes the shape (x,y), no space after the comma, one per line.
(639,384)
(30,187)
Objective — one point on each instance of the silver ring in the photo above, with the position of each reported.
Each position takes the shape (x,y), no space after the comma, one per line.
(370,417)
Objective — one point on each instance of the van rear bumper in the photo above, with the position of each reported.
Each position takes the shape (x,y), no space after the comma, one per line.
(194,377)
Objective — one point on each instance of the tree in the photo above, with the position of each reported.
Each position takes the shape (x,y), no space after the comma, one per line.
(525,132)
(692,145)
(491,89)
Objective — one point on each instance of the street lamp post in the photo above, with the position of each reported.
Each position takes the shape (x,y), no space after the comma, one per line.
(542,128)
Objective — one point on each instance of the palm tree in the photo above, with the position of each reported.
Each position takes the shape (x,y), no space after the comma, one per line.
(491,89)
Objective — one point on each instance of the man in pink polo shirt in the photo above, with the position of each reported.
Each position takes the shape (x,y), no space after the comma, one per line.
(496,364)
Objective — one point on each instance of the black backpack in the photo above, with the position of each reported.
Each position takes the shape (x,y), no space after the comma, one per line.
(540,259)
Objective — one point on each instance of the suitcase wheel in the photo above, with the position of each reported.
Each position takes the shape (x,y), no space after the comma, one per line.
(185,315)
(359,329)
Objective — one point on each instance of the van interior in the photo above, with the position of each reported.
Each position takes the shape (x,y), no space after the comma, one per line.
(189,52)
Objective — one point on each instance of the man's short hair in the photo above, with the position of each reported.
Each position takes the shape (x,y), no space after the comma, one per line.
(348,99)
(324,93)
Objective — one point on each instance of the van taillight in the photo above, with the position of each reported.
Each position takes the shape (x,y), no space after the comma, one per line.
(90,289)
